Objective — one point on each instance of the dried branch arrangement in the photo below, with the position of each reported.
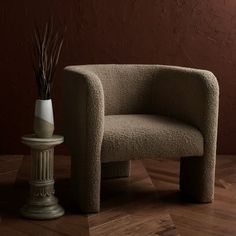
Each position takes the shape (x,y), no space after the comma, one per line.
(46,51)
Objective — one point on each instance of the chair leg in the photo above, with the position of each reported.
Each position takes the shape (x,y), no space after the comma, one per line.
(85,183)
(197,177)
(116,169)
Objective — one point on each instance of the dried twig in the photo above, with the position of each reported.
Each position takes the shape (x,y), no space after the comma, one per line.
(46,52)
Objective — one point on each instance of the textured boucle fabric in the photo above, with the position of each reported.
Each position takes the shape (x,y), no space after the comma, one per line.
(183,101)
(148,136)
(83,112)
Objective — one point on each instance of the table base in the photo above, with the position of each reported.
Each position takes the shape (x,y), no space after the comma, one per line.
(42,209)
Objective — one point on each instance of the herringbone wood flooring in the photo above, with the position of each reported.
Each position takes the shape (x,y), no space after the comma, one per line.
(139,205)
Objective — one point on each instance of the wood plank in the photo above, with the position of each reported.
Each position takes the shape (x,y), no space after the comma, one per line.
(147,203)
(136,225)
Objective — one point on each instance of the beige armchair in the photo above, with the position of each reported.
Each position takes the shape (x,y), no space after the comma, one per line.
(117,113)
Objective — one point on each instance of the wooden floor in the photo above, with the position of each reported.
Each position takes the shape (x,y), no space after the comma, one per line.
(147,203)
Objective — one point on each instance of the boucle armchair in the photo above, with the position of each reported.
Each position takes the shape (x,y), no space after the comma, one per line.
(117,113)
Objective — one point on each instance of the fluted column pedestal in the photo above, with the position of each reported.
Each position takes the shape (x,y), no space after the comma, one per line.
(42,203)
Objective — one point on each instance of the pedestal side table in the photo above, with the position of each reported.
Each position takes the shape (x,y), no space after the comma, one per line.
(42,203)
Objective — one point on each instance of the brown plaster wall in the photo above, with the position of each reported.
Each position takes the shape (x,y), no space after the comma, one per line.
(191,33)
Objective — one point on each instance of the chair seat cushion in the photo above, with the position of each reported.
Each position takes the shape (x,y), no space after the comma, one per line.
(128,137)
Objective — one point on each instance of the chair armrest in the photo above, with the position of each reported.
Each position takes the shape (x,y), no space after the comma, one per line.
(83,112)
(190,95)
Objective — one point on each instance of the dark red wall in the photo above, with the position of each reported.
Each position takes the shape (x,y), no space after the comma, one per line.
(191,33)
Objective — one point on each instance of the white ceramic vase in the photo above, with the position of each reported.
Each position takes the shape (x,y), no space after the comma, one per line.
(43,118)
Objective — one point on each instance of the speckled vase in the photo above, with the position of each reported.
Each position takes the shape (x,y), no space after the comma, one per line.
(43,118)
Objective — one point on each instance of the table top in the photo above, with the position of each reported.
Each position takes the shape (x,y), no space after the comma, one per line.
(33,140)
